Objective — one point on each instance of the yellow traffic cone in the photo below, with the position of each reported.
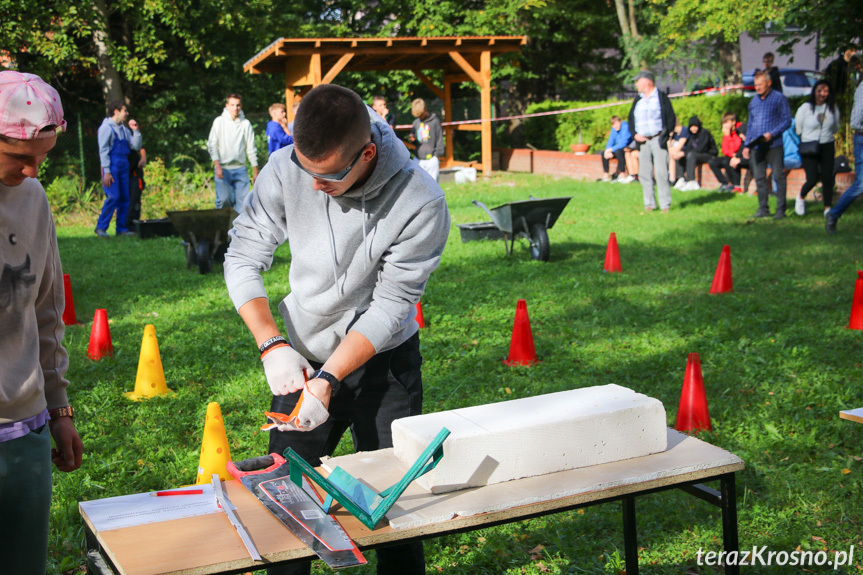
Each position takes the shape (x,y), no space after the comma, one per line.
(214,448)
(150,381)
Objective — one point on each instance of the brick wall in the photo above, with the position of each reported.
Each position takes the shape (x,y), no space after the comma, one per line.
(589,167)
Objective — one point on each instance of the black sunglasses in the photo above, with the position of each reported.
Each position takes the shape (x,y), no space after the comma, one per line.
(336,177)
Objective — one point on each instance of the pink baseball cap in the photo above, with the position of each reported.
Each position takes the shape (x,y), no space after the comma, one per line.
(27,105)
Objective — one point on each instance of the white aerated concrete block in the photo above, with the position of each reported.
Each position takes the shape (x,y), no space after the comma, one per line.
(533,436)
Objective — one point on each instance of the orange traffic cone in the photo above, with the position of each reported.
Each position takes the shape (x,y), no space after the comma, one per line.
(856,321)
(215,454)
(100,337)
(521,350)
(69,317)
(612,255)
(692,414)
(420,319)
(722,278)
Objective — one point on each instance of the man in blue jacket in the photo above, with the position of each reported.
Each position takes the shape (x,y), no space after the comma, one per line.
(769,117)
(115,143)
(366,227)
(618,139)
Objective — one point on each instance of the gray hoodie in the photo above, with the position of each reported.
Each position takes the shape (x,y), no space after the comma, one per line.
(359,261)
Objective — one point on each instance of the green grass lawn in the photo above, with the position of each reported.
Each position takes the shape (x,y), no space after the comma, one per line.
(777,359)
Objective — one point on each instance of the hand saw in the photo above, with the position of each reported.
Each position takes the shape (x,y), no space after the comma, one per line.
(299,509)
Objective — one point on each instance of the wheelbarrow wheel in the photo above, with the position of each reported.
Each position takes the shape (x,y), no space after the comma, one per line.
(539,248)
(205,264)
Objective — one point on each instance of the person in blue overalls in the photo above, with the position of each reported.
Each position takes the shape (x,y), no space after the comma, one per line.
(115,142)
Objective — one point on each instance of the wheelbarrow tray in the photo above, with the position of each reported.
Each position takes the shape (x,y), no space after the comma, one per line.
(530,219)
(205,234)
(510,218)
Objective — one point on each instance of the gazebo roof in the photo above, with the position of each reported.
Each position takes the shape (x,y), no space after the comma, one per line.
(382,53)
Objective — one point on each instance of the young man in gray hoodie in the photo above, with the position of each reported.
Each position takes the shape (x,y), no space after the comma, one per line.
(366,227)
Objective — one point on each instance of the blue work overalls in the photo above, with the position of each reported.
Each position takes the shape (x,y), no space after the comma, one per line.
(117,194)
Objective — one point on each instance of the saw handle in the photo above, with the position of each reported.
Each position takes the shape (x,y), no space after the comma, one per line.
(255,465)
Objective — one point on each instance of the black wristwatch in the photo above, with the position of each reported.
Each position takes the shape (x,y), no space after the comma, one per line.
(332,379)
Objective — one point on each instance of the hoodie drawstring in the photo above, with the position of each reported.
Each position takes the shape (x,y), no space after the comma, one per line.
(333,248)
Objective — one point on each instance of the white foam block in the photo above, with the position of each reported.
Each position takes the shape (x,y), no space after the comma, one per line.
(533,436)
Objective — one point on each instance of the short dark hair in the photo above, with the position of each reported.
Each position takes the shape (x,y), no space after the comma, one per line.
(115,105)
(331,119)
(235,96)
(614,119)
(768,55)
(379,98)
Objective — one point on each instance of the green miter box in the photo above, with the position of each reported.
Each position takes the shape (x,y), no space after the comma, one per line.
(360,500)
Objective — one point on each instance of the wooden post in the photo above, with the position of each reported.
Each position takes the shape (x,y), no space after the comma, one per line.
(485,73)
(449,131)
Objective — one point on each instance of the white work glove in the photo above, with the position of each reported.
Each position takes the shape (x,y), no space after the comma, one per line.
(286,370)
(311,413)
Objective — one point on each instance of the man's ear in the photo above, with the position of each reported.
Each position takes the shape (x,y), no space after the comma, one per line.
(370,152)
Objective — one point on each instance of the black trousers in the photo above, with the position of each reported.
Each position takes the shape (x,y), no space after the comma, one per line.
(820,167)
(621,161)
(692,161)
(731,175)
(385,388)
(760,157)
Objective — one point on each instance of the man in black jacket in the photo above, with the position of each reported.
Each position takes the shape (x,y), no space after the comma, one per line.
(651,119)
(700,148)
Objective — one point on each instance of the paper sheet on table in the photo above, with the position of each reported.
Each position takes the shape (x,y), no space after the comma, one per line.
(141,508)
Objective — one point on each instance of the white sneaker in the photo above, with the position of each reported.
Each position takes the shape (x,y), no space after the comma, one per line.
(690,186)
(625,179)
(800,206)
(826,211)
(679,184)
(605,179)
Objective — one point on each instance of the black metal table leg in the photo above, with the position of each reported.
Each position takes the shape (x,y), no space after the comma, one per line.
(729,519)
(630,538)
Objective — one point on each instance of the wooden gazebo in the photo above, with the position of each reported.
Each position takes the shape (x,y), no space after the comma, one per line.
(308,62)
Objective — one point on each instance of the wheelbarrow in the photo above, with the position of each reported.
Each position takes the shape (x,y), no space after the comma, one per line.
(205,235)
(530,219)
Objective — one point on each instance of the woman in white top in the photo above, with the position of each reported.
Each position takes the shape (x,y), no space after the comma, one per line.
(817,120)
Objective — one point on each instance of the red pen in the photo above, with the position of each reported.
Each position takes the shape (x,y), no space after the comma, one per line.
(179,492)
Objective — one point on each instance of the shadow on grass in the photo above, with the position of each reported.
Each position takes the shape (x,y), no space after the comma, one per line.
(705,199)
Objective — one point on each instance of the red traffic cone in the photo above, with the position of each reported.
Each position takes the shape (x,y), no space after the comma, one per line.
(69,317)
(612,255)
(419,317)
(521,350)
(856,321)
(100,337)
(692,414)
(722,279)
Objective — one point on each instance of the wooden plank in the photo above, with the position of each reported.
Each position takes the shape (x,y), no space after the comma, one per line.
(485,106)
(334,71)
(853,415)
(431,85)
(468,69)
(209,544)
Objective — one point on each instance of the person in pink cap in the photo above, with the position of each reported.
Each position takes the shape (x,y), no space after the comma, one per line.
(33,402)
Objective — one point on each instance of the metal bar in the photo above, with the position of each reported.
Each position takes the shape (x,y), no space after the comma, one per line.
(227,507)
(630,535)
(729,519)
(704,493)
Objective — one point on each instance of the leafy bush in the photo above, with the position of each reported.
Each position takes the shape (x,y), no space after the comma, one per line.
(71,194)
(184,185)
